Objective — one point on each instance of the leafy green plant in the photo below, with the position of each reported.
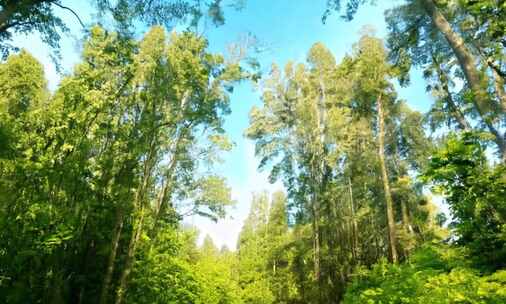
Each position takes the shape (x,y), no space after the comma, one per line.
(476,194)
(435,274)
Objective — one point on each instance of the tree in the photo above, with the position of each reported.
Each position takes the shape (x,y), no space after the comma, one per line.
(40,16)
(215,270)
(197,101)
(337,153)
(23,87)
(477,81)
(375,96)
(111,157)
(163,272)
(419,24)
(281,279)
(253,253)
(292,124)
(473,189)
(23,84)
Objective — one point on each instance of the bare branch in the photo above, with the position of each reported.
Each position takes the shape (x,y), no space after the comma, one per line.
(70,10)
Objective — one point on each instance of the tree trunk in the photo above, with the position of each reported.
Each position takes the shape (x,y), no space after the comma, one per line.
(454,108)
(139,205)
(456,112)
(499,89)
(130,258)
(318,168)
(354,230)
(467,62)
(169,174)
(167,187)
(405,217)
(386,185)
(316,237)
(112,257)
(498,76)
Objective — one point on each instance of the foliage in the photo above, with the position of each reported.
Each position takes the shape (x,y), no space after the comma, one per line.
(162,275)
(322,140)
(475,192)
(434,274)
(216,275)
(95,174)
(44,16)
(253,252)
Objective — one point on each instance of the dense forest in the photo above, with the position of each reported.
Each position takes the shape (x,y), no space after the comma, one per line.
(97,176)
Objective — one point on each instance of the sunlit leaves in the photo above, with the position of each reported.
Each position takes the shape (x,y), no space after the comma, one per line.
(131,133)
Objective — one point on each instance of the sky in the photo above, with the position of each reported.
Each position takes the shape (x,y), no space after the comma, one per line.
(286,30)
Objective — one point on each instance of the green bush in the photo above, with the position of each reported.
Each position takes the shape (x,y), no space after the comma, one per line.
(435,274)
(475,191)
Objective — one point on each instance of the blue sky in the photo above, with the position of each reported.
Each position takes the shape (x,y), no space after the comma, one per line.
(286,29)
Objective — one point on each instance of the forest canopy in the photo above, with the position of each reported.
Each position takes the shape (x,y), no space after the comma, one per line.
(98,176)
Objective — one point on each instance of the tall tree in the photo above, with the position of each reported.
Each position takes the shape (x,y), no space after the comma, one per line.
(253,252)
(98,148)
(319,137)
(280,278)
(376,96)
(420,23)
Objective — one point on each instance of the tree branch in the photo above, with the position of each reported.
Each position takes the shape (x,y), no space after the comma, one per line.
(70,10)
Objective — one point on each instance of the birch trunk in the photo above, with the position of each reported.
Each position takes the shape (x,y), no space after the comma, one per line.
(386,185)
(354,230)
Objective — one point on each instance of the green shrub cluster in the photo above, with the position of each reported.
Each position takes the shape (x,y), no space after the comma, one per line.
(434,274)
